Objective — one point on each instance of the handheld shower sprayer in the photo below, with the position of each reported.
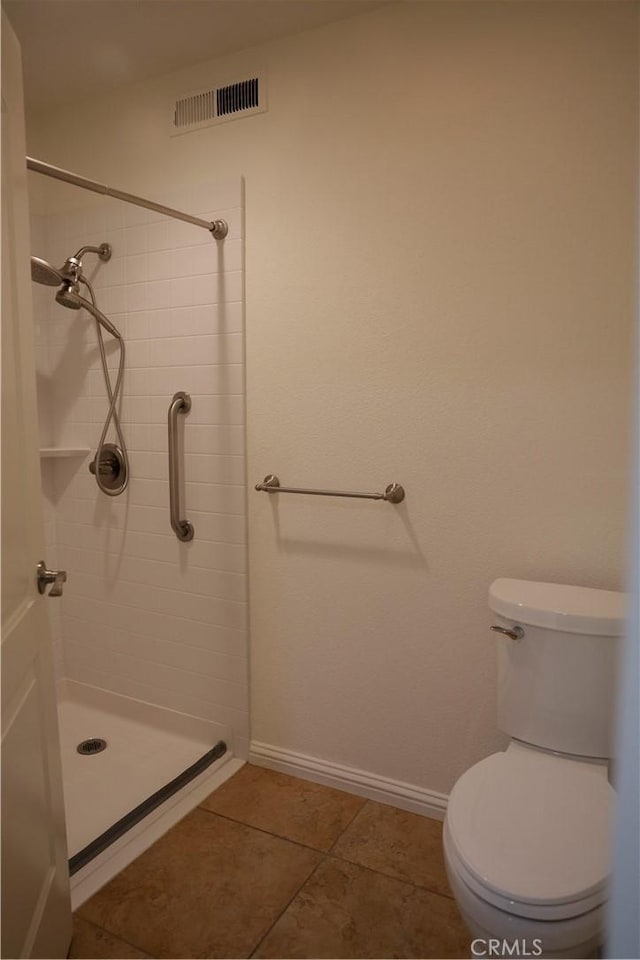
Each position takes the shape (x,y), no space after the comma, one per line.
(111,463)
(68,296)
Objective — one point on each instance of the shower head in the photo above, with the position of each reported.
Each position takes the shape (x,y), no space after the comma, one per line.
(71,270)
(69,278)
(68,296)
(43,272)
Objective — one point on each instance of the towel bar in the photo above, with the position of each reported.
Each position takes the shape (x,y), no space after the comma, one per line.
(394,493)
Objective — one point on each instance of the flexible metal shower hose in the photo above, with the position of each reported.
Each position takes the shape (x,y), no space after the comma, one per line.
(112,413)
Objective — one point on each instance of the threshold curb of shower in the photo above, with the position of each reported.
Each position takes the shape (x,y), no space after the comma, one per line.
(120,827)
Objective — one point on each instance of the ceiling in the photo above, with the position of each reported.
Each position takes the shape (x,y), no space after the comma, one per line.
(87,47)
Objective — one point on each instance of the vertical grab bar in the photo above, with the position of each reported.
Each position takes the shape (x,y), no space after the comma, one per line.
(183,529)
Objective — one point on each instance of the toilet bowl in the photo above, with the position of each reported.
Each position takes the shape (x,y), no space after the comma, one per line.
(578,937)
(527,830)
(526,849)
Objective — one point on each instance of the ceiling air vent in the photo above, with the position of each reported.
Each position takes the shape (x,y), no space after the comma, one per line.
(218,104)
(237,96)
(198,108)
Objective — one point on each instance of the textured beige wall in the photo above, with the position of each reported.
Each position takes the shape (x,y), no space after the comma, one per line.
(439,270)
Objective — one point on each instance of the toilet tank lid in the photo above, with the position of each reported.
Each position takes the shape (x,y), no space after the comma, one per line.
(558,606)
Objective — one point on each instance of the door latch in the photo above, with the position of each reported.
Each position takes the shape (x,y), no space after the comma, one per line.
(55,577)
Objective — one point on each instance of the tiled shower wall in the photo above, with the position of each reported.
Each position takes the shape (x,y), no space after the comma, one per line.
(144,615)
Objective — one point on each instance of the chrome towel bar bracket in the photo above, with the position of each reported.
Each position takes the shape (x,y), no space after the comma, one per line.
(393,493)
(183,529)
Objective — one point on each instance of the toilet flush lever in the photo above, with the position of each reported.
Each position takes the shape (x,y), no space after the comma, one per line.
(516,634)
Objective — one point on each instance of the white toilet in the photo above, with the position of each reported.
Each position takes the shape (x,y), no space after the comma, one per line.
(527,831)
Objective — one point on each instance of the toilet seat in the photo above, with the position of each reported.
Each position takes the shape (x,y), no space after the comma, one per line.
(528,832)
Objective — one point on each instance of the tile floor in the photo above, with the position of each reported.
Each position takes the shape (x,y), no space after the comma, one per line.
(273,866)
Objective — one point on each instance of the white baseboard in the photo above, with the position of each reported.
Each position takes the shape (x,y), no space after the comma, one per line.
(406,796)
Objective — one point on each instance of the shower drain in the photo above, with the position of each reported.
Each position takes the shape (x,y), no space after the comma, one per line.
(94,745)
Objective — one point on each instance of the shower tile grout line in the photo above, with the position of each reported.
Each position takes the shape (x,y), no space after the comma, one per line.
(72,546)
(153,586)
(153,635)
(130,606)
(145,636)
(115,553)
(74,523)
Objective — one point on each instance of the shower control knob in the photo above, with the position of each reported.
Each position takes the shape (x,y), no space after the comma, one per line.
(45,577)
(112,468)
(108,466)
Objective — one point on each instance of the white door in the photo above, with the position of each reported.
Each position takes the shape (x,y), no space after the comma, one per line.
(36,908)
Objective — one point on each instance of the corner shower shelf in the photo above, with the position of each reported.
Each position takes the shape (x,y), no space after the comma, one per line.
(49,453)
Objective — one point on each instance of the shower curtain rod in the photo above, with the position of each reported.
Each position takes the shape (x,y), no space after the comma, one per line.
(218,228)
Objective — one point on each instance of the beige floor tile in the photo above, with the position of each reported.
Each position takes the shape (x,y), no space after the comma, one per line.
(306,812)
(208,888)
(400,844)
(348,911)
(91,943)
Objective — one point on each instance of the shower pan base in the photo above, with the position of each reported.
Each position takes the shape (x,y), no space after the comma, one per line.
(148,748)
(143,809)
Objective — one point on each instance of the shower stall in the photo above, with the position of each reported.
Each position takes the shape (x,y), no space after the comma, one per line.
(140,372)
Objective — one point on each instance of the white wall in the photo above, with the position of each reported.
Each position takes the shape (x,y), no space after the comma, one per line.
(144,615)
(439,227)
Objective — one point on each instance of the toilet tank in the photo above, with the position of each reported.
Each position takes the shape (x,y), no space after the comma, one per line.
(556,684)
